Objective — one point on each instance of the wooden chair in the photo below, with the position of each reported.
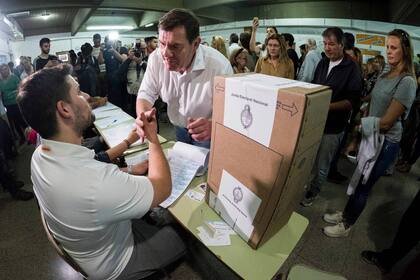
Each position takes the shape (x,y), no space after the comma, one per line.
(60,250)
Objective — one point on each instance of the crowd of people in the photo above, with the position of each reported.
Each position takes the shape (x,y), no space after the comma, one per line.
(373,110)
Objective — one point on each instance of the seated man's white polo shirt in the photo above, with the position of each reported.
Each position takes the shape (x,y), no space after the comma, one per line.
(89,205)
(189,94)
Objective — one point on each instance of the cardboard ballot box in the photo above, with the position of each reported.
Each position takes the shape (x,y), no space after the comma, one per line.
(265,136)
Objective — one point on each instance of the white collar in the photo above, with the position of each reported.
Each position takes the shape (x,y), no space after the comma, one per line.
(66,149)
(198,63)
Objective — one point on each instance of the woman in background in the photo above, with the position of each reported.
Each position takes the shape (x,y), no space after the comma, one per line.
(238,59)
(276,62)
(218,43)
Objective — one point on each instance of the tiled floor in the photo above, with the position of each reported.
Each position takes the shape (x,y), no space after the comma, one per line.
(26,254)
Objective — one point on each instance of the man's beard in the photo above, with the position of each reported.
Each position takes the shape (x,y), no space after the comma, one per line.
(81,123)
(45,51)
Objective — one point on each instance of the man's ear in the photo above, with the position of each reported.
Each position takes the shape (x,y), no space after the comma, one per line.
(196,42)
(64,109)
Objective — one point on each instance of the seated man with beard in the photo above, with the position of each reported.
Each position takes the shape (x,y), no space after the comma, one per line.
(93,208)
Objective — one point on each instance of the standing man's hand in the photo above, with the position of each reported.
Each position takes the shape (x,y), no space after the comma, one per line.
(147,126)
(200,129)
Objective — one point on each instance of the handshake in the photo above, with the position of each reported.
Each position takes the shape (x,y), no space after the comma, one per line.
(146,126)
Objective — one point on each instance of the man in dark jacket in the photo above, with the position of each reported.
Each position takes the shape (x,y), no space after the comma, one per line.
(342,74)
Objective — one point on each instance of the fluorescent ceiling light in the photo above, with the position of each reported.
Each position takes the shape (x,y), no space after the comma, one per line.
(8,22)
(45,15)
(110,27)
(113,36)
(149,24)
(19,14)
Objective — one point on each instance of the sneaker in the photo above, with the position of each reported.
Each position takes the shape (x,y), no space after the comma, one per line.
(339,230)
(336,177)
(375,258)
(308,201)
(333,218)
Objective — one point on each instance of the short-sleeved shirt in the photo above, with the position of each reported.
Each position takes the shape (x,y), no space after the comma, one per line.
(189,94)
(9,88)
(88,205)
(40,62)
(284,70)
(403,90)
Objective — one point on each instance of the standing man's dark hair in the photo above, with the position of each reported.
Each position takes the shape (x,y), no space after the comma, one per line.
(233,38)
(348,41)
(38,97)
(43,41)
(288,38)
(148,39)
(181,17)
(336,32)
(245,37)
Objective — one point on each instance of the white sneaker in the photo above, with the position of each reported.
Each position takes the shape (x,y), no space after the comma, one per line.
(339,230)
(333,218)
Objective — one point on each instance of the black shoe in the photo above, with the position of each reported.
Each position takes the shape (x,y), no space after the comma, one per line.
(14,185)
(23,195)
(336,177)
(18,184)
(375,258)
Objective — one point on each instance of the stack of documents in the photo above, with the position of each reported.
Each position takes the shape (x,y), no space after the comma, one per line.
(215,233)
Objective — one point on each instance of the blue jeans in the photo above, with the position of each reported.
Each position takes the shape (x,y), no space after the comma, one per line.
(325,155)
(358,199)
(182,135)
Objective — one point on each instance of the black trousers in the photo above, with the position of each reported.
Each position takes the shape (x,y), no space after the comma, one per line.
(16,120)
(408,234)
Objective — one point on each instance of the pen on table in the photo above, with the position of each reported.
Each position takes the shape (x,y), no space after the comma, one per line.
(114,121)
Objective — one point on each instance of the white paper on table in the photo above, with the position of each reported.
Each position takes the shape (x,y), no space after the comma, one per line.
(183,171)
(194,153)
(137,157)
(250,107)
(106,107)
(112,120)
(219,240)
(194,195)
(237,205)
(116,135)
(220,227)
(276,82)
(107,113)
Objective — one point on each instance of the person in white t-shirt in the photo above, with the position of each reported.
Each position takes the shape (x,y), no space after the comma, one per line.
(93,208)
(181,72)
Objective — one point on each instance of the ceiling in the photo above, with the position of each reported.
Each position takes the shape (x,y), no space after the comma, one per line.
(75,16)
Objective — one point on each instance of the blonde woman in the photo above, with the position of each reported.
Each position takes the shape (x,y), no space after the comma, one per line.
(276,62)
(238,59)
(392,97)
(218,43)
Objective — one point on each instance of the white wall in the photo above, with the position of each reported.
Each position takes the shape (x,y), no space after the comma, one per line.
(4,46)
(64,42)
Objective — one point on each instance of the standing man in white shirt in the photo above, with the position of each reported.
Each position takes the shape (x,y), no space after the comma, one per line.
(93,208)
(181,72)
